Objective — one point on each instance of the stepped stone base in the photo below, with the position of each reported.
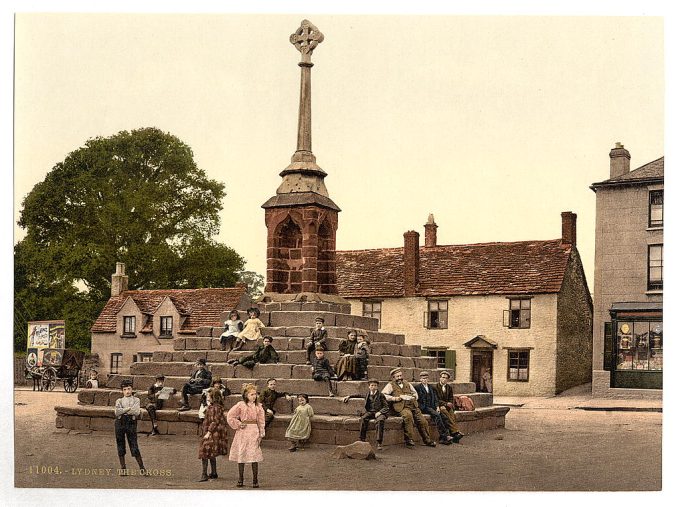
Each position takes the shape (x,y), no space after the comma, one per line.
(326,429)
(289,319)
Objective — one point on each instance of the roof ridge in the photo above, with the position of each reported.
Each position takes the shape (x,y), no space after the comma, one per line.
(398,248)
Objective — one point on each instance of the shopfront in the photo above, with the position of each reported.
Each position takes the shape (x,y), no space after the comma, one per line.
(636,345)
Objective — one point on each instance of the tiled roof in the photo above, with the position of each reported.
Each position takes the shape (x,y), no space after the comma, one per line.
(202,307)
(651,170)
(525,267)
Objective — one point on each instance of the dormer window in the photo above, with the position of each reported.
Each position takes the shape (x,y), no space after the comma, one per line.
(166,326)
(129,326)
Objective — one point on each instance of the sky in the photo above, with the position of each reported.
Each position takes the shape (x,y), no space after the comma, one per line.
(495,124)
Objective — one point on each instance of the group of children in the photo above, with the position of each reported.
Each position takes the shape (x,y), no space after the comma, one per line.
(250,417)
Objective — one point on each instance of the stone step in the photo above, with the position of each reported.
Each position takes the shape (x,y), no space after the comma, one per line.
(285,356)
(264,371)
(326,429)
(296,386)
(306,306)
(322,404)
(382,343)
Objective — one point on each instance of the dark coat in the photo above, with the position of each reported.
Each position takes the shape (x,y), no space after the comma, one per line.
(377,403)
(445,394)
(318,337)
(202,377)
(321,366)
(268,398)
(427,400)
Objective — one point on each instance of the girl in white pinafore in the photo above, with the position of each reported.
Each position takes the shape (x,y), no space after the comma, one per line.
(247,419)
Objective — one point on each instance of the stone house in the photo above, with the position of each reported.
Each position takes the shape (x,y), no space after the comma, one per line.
(520,310)
(136,323)
(628,282)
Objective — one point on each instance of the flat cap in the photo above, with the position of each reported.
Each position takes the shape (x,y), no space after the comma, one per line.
(394,370)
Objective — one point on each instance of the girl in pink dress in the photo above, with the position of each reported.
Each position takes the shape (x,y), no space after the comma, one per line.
(247,420)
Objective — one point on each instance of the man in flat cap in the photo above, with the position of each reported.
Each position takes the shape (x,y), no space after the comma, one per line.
(447,405)
(200,379)
(127,410)
(404,402)
(428,402)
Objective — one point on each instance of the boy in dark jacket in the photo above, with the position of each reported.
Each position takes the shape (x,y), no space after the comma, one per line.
(428,403)
(264,353)
(268,399)
(200,379)
(322,369)
(376,408)
(317,338)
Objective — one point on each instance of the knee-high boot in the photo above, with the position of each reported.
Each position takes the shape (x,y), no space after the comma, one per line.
(255,467)
(204,472)
(213,468)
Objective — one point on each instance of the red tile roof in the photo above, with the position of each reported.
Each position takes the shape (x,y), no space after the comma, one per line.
(524,267)
(202,307)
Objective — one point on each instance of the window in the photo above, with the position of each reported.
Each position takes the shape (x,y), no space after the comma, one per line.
(372,309)
(655,267)
(145,357)
(639,345)
(166,326)
(519,314)
(656,208)
(116,362)
(129,325)
(446,358)
(518,365)
(436,316)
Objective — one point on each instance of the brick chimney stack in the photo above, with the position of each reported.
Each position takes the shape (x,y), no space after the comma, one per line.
(411,262)
(119,280)
(568,228)
(430,232)
(619,161)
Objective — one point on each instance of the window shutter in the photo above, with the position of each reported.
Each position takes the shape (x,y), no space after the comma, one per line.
(506,318)
(525,316)
(426,322)
(608,346)
(450,362)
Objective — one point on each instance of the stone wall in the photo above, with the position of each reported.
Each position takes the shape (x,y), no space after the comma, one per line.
(574,329)
(104,344)
(470,316)
(621,239)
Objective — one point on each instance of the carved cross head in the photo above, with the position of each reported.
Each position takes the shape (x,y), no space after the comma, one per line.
(306,38)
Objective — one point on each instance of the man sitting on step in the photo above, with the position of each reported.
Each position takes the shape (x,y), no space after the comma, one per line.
(403,399)
(428,402)
(264,353)
(200,379)
(447,405)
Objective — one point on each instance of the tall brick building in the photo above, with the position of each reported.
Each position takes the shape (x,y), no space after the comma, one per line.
(521,310)
(628,283)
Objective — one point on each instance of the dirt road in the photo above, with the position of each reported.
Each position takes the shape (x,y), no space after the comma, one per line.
(541,449)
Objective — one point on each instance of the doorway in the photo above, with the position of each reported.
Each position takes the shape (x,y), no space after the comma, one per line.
(482,361)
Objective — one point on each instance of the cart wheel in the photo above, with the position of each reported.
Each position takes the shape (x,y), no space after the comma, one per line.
(48,379)
(71,384)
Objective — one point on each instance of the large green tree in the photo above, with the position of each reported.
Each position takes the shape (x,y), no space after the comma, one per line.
(136,197)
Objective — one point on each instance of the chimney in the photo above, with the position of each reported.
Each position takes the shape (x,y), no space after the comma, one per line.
(568,228)
(119,280)
(619,161)
(411,262)
(430,232)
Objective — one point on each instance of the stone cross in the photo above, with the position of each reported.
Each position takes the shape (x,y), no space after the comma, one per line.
(305,39)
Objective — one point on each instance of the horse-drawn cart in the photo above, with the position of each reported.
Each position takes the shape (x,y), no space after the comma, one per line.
(56,368)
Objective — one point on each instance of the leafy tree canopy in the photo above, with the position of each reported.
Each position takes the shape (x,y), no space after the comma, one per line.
(135,197)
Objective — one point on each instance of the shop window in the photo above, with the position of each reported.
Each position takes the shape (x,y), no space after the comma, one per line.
(372,309)
(656,208)
(655,267)
(116,362)
(166,326)
(129,326)
(436,316)
(519,314)
(639,346)
(518,365)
